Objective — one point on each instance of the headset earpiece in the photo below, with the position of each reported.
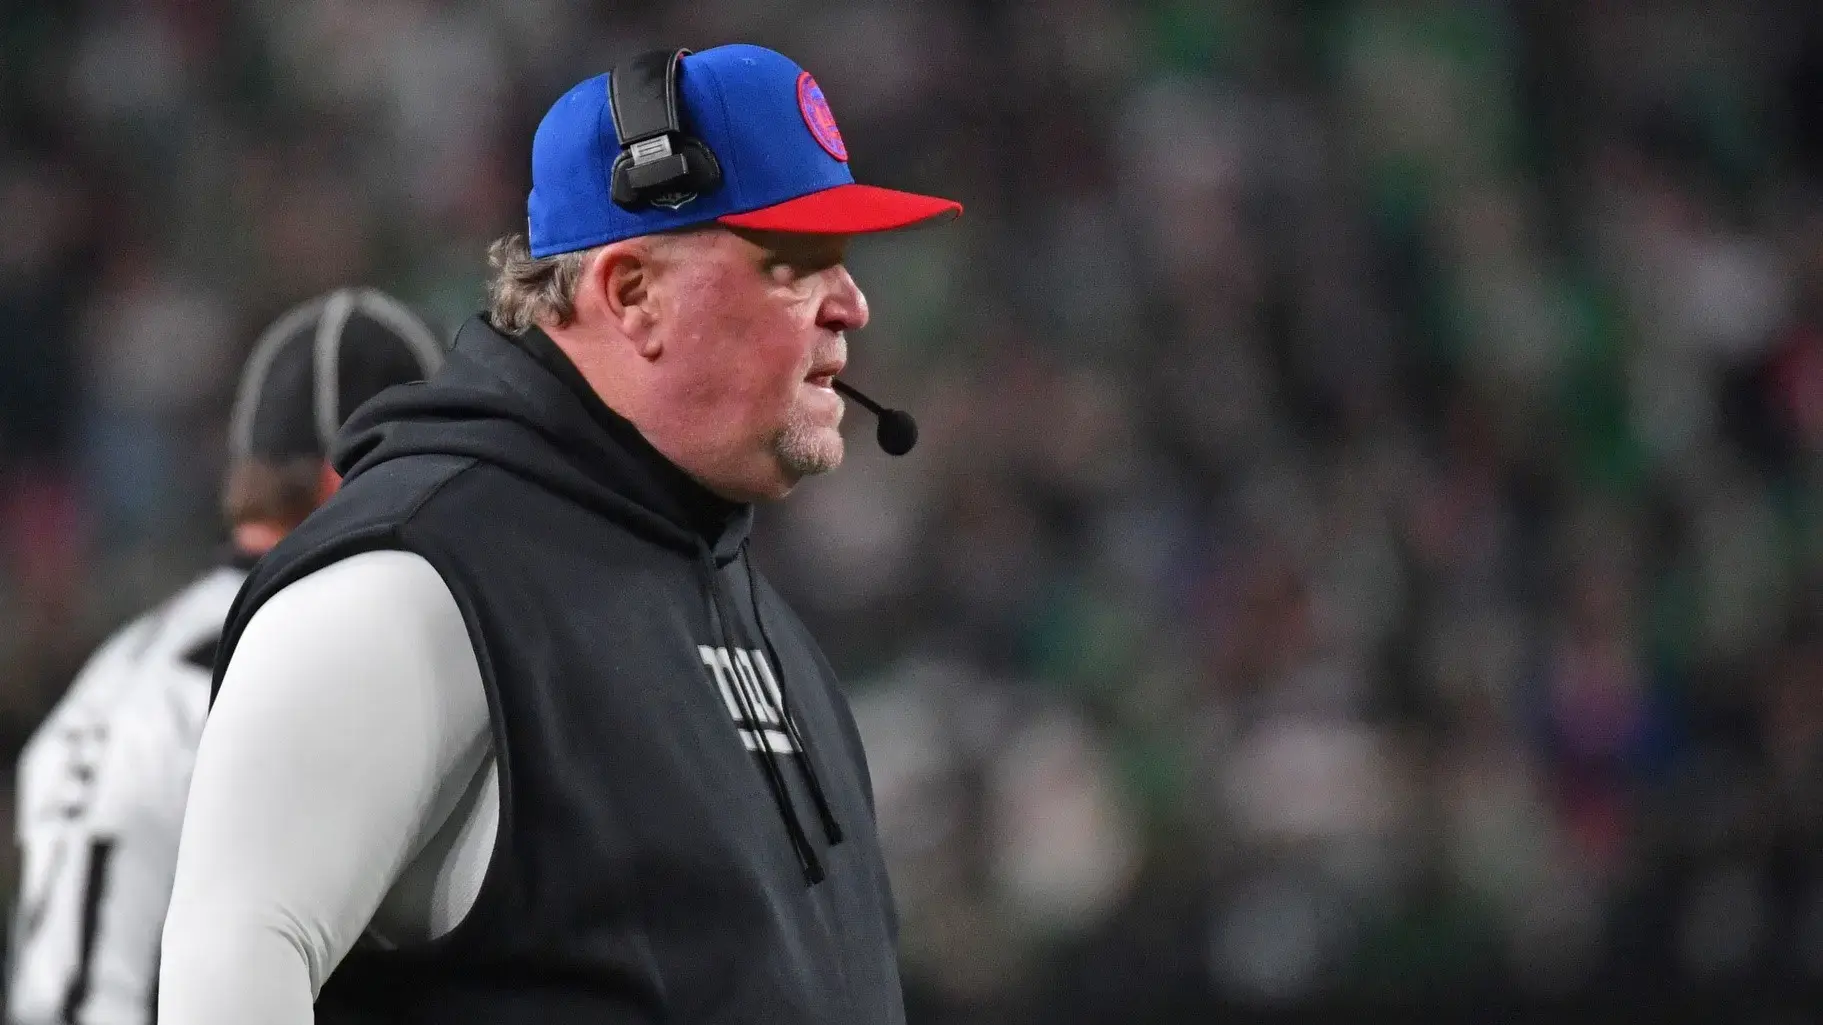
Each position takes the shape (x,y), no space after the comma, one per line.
(659,165)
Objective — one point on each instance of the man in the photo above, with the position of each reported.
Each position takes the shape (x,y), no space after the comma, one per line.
(512,730)
(101,785)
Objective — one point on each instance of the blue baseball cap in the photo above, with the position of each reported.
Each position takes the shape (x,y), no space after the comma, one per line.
(783,162)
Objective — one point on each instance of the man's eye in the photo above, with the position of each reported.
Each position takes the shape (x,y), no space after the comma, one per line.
(791,268)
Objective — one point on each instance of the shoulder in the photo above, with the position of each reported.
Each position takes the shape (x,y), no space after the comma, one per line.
(373,512)
(374,615)
(396,490)
(365,595)
(166,645)
(136,707)
(377,503)
(196,611)
(105,672)
(370,648)
(165,705)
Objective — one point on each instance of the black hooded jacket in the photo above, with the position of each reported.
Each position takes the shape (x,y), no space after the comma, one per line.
(686,821)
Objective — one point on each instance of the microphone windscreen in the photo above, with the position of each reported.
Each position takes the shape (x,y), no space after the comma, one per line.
(897,432)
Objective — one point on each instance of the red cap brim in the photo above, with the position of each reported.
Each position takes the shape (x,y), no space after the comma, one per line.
(847,210)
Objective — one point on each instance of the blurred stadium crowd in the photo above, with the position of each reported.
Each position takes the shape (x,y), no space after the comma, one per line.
(1368,541)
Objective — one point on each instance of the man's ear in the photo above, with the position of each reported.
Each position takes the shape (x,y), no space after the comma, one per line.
(624,272)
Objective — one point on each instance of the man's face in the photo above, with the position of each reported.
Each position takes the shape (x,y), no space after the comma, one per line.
(753,333)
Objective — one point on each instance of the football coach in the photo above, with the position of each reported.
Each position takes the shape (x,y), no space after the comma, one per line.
(511,730)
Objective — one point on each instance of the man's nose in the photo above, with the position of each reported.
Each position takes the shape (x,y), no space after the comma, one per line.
(845,306)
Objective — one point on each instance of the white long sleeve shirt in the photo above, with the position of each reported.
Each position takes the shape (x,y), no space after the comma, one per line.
(100,800)
(344,791)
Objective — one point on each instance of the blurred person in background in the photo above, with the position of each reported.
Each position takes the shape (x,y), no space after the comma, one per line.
(511,729)
(102,782)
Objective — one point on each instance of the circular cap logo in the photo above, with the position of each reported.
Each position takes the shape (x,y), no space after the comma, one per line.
(820,118)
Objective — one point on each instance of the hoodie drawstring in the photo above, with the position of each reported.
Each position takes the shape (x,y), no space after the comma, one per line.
(808,861)
(832,830)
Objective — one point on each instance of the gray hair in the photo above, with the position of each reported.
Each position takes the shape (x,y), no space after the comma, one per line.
(526,290)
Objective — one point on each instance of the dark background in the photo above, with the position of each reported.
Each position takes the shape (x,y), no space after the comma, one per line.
(1366,557)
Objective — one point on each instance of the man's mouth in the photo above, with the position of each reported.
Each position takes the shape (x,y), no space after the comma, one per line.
(823,375)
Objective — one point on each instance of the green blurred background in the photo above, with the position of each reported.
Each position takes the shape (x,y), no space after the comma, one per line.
(1367,550)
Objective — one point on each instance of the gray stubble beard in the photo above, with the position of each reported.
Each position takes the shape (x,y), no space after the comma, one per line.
(803,452)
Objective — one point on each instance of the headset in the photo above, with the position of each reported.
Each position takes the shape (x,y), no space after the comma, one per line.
(659,164)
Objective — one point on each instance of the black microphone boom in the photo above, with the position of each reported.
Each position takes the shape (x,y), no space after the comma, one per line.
(897,432)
